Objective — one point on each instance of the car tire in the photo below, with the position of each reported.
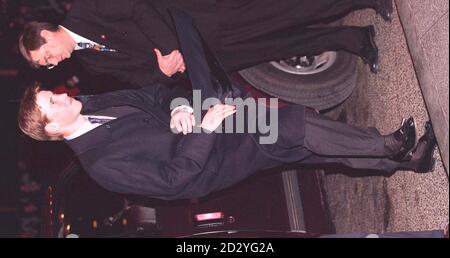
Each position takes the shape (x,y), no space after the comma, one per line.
(320,90)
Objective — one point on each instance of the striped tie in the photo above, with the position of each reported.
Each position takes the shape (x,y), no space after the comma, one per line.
(97,47)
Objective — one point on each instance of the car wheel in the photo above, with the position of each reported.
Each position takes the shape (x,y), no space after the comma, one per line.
(321,82)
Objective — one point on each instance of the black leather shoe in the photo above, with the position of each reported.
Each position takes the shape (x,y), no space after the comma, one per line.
(401,142)
(370,50)
(422,160)
(385,9)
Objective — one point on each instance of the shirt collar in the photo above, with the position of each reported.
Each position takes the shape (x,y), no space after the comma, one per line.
(77,38)
(85,127)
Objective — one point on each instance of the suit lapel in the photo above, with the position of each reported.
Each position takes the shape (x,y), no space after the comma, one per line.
(95,103)
(97,137)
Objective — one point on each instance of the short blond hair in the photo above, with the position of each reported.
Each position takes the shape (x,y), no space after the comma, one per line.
(31,120)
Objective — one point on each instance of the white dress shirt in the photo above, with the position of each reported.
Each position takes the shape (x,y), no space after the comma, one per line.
(78,38)
(86,127)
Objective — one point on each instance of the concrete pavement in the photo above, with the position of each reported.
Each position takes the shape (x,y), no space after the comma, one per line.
(405,201)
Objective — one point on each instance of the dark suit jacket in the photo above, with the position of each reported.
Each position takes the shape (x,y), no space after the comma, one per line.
(134,28)
(138,153)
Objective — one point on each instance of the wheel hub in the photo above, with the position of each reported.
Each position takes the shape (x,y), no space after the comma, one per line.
(305,65)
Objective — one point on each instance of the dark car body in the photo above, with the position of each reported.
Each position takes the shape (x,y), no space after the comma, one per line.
(275,203)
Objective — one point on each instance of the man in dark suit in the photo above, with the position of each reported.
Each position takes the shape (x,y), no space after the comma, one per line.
(137,44)
(137,153)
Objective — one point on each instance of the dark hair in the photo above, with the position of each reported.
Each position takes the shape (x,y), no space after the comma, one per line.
(30,118)
(30,38)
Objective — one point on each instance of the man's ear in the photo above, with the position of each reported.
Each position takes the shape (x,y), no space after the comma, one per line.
(52,128)
(46,34)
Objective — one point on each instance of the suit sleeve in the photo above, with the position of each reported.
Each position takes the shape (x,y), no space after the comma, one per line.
(192,153)
(156,95)
(154,21)
(150,177)
(137,78)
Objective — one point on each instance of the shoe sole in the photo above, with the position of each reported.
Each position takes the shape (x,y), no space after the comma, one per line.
(431,160)
(415,140)
(408,155)
(429,167)
(374,69)
(390,11)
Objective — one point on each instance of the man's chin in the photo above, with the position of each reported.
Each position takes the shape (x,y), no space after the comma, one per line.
(66,55)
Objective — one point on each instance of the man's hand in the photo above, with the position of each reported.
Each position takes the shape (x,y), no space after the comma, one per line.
(171,63)
(183,121)
(216,115)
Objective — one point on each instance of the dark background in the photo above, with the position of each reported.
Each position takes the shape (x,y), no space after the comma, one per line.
(25,162)
(15,155)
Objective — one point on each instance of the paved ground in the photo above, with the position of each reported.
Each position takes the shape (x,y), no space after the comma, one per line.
(405,201)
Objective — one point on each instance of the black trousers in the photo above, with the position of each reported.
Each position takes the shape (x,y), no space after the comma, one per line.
(263,30)
(324,141)
(336,142)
